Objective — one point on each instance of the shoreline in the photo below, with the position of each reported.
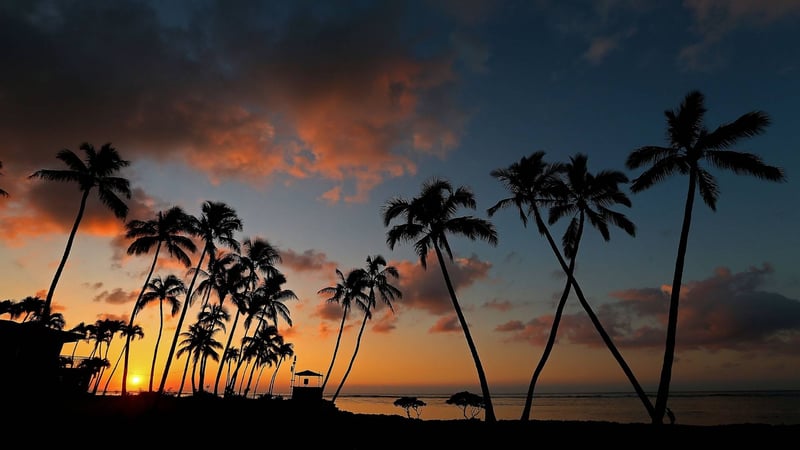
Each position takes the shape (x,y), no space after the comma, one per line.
(138,420)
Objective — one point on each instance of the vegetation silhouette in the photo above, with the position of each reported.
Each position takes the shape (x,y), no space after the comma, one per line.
(345,291)
(428,218)
(166,290)
(217,223)
(409,403)
(689,144)
(567,189)
(96,170)
(470,404)
(376,275)
(169,230)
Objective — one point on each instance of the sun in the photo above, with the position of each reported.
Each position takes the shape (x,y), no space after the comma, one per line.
(136,380)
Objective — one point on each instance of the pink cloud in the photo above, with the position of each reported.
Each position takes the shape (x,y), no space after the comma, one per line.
(447,324)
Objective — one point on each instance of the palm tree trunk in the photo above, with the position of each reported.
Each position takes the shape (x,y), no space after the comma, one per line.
(114,369)
(672,320)
(274,375)
(183,377)
(130,324)
(49,300)
(551,339)
(355,352)
(597,325)
(227,346)
(487,398)
(335,349)
(158,341)
(180,323)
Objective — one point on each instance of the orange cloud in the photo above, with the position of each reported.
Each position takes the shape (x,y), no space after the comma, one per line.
(447,324)
(308,261)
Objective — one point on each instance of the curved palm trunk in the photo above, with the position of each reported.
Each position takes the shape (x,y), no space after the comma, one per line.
(335,349)
(158,342)
(551,339)
(49,300)
(130,324)
(180,323)
(224,352)
(355,352)
(487,398)
(114,369)
(598,326)
(672,320)
(183,377)
(274,374)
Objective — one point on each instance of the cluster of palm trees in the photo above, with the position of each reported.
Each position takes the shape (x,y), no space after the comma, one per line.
(569,190)
(542,191)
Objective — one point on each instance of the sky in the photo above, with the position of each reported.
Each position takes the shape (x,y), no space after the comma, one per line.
(307,117)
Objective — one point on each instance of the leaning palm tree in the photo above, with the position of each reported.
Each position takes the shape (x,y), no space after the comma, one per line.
(2,192)
(217,224)
(690,144)
(344,292)
(98,170)
(534,184)
(428,218)
(166,290)
(130,332)
(284,351)
(376,276)
(168,230)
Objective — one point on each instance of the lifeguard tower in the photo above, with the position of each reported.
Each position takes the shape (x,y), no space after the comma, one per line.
(307,390)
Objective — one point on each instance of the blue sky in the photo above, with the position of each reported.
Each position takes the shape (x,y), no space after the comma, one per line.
(306,117)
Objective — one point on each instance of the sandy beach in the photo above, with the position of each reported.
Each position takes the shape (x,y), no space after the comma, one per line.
(136,421)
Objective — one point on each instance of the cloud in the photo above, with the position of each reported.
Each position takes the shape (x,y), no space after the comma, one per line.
(425,289)
(499,305)
(116,296)
(714,20)
(242,91)
(308,261)
(599,48)
(727,311)
(447,324)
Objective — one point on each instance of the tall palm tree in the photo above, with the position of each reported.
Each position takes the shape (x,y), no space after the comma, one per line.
(217,224)
(2,192)
(284,351)
(130,332)
(169,230)
(166,290)
(690,144)
(377,276)
(344,292)
(428,218)
(97,170)
(259,257)
(582,195)
(532,182)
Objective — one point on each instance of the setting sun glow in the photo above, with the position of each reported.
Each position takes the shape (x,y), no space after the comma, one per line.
(135,380)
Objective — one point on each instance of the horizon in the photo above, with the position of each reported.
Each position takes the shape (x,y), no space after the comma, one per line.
(308,118)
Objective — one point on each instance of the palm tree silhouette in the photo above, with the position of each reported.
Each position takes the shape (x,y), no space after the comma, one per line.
(169,230)
(534,183)
(166,290)
(691,143)
(284,351)
(97,170)
(129,331)
(2,192)
(217,223)
(259,257)
(428,220)
(375,276)
(344,292)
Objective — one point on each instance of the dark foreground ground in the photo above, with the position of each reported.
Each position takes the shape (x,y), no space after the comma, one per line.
(144,422)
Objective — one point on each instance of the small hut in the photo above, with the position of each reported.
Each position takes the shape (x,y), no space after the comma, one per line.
(307,390)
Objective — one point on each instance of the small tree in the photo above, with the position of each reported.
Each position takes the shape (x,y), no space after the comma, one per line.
(468,402)
(409,403)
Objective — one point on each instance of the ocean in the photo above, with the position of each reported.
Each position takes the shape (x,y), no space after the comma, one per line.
(689,408)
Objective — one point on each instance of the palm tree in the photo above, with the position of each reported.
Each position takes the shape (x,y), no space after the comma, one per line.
(429,217)
(2,192)
(97,170)
(376,276)
(169,230)
(532,183)
(217,223)
(130,332)
(259,257)
(160,290)
(691,143)
(343,292)
(284,351)
(583,196)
